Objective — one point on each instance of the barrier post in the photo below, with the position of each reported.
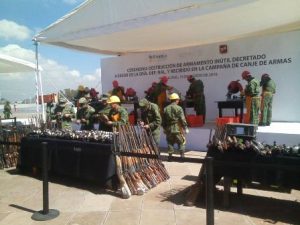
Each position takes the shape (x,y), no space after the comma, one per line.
(46,213)
(209,191)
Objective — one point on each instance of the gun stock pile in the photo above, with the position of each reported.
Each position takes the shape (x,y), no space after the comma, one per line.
(228,143)
(9,148)
(137,174)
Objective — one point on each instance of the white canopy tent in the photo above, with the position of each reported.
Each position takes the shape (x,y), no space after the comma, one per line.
(119,27)
(9,64)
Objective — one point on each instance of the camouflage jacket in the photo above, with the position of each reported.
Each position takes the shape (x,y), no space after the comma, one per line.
(85,113)
(269,86)
(151,116)
(252,88)
(174,119)
(60,113)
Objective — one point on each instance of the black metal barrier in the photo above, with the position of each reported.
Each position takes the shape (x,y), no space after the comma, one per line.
(209,195)
(46,213)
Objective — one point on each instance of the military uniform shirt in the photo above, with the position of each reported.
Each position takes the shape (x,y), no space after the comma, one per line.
(174,119)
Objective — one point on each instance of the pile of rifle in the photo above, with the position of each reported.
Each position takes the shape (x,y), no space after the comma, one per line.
(9,147)
(80,135)
(138,165)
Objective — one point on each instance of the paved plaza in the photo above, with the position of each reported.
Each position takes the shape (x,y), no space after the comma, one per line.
(82,203)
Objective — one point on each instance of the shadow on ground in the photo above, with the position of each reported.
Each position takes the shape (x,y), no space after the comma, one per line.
(93,187)
(269,209)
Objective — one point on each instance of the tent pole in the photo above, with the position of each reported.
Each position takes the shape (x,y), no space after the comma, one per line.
(37,96)
(39,77)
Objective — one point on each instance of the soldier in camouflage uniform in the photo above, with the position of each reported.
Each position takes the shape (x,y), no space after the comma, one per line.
(117,114)
(151,119)
(196,93)
(251,92)
(85,115)
(7,110)
(63,114)
(104,113)
(174,125)
(268,90)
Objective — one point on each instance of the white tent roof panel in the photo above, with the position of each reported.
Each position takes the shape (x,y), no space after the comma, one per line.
(10,64)
(120,27)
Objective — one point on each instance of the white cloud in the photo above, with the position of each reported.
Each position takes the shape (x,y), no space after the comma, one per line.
(10,30)
(55,76)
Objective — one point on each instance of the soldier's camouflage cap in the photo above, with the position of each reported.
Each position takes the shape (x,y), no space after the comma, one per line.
(62,101)
(143,102)
(82,101)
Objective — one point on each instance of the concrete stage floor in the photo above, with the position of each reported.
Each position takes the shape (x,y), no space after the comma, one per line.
(281,132)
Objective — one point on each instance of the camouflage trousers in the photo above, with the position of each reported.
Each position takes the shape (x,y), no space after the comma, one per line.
(7,115)
(175,138)
(266,108)
(253,107)
(156,136)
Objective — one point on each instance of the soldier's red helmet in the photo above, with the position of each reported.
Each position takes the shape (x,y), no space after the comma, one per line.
(115,84)
(190,77)
(234,87)
(164,79)
(246,74)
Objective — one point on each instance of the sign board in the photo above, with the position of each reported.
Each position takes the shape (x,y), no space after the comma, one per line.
(216,65)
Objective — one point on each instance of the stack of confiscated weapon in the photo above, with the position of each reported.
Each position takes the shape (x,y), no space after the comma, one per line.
(223,146)
(84,135)
(138,165)
(233,144)
(9,147)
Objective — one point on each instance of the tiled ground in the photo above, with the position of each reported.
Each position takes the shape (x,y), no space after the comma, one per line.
(86,204)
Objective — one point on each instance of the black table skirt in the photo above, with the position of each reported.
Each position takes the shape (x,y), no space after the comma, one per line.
(78,159)
(263,175)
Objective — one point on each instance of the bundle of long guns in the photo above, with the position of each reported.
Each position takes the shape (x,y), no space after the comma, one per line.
(231,143)
(9,148)
(84,135)
(142,170)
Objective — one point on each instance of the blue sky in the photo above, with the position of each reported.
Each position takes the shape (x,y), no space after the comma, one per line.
(63,68)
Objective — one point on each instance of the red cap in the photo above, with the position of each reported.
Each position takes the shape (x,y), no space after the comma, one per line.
(164,79)
(246,74)
(190,77)
(93,93)
(115,84)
